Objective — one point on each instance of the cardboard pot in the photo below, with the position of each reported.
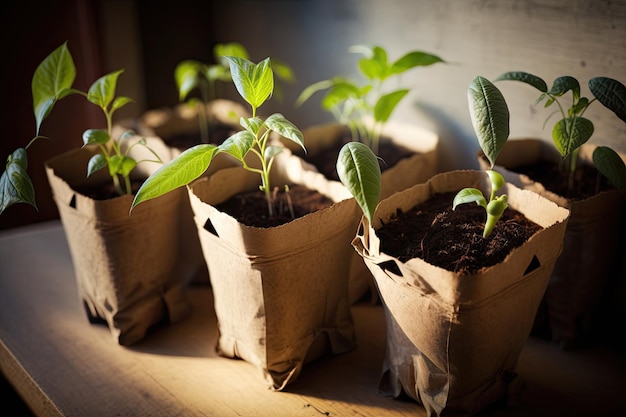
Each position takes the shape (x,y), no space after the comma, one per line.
(590,249)
(280,293)
(407,172)
(453,340)
(131,271)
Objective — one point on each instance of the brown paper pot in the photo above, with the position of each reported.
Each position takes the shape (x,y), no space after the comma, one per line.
(590,247)
(453,340)
(406,173)
(281,293)
(131,271)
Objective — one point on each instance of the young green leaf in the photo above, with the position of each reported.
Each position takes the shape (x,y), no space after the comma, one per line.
(359,172)
(490,116)
(285,128)
(609,163)
(524,77)
(52,80)
(386,104)
(254,82)
(238,144)
(469,195)
(564,84)
(571,133)
(15,184)
(178,172)
(102,91)
(414,59)
(611,93)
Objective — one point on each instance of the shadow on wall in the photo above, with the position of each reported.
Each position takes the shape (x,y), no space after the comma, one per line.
(456,147)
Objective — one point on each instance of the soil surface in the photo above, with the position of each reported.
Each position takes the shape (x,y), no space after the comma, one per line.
(251,208)
(389,152)
(587,180)
(453,239)
(217,135)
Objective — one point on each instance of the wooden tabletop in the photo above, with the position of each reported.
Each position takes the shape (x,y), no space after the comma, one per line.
(64,366)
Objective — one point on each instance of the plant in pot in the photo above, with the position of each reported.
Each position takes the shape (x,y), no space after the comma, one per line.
(583,178)
(408,153)
(276,254)
(461,283)
(131,273)
(205,117)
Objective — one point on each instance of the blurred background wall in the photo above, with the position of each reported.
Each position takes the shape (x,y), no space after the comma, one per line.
(550,38)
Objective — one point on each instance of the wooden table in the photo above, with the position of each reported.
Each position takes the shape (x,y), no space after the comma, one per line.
(63,365)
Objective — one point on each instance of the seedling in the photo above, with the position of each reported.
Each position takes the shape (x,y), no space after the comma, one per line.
(490,118)
(255,84)
(53,80)
(357,167)
(573,130)
(192,74)
(352,104)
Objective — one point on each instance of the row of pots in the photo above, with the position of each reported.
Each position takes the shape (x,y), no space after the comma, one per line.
(283,294)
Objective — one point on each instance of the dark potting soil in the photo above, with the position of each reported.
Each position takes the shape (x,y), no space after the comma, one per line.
(453,239)
(251,208)
(587,179)
(389,152)
(217,135)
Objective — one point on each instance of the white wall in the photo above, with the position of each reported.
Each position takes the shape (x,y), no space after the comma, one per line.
(581,38)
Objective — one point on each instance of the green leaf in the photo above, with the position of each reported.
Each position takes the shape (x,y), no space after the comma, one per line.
(414,59)
(127,166)
(254,82)
(611,165)
(271,151)
(386,105)
(120,102)
(571,133)
(375,66)
(96,163)
(285,128)
(15,184)
(359,172)
(341,92)
(102,91)
(52,80)
(252,124)
(564,84)
(180,171)
(91,136)
(312,89)
(611,93)
(469,195)
(186,76)
(490,116)
(238,144)
(496,179)
(524,77)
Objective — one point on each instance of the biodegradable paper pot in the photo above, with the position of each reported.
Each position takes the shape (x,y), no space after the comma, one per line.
(453,340)
(281,293)
(413,170)
(131,271)
(590,246)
